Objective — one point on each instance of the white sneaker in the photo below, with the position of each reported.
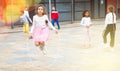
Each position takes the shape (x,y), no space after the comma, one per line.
(41,48)
(44,52)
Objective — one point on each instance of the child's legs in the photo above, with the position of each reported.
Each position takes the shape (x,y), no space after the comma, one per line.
(53,21)
(42,43)
(37,43)
(84,36)
(27,28)
(112,38)
(87,37)
(58,24)
(42,47)
(105,36)
(24,29)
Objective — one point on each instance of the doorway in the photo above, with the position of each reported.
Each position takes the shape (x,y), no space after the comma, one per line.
(99,8)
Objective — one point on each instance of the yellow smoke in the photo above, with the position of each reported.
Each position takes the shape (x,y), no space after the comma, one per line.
(12,9)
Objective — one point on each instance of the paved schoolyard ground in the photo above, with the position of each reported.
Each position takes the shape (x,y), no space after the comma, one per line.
(65,51)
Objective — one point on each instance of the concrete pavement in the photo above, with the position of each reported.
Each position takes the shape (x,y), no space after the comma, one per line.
(65,51)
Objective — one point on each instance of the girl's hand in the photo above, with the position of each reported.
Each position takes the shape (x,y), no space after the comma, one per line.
(88,26)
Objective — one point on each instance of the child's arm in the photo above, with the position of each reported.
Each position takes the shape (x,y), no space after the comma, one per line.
(31,31)
(50,25)
(33,25)
(32,28)
(81,21)
(91,22)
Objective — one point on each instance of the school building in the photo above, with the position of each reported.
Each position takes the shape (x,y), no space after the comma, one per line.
(71,10)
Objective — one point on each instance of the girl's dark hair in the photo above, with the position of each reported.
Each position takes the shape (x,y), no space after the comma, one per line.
(44,10)
(111,9)
(85,12)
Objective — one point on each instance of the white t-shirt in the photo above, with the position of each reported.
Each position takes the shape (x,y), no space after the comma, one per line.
(86,21)
(40,22)
(109,19)
(25,17)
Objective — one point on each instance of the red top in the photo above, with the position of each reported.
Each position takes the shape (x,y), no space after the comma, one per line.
(54,15)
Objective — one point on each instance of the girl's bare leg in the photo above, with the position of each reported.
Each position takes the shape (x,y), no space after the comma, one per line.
(42,46)
(37,43)
(89,38)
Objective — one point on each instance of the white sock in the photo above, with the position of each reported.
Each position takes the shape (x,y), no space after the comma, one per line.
(44,50)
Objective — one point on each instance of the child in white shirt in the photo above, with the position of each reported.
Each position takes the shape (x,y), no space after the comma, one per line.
(86,22)
(110,27)
(25,20)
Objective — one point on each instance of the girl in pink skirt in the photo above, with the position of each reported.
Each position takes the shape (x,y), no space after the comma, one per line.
(39,30)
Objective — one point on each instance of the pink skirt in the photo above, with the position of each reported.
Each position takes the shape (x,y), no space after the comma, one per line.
(40,34)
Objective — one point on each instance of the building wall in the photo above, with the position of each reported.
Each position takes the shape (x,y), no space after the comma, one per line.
(113,2)
(119,4)
(64,8)
(99,8)
(118,8)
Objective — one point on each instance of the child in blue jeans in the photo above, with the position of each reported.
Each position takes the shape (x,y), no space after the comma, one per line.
(55,17)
